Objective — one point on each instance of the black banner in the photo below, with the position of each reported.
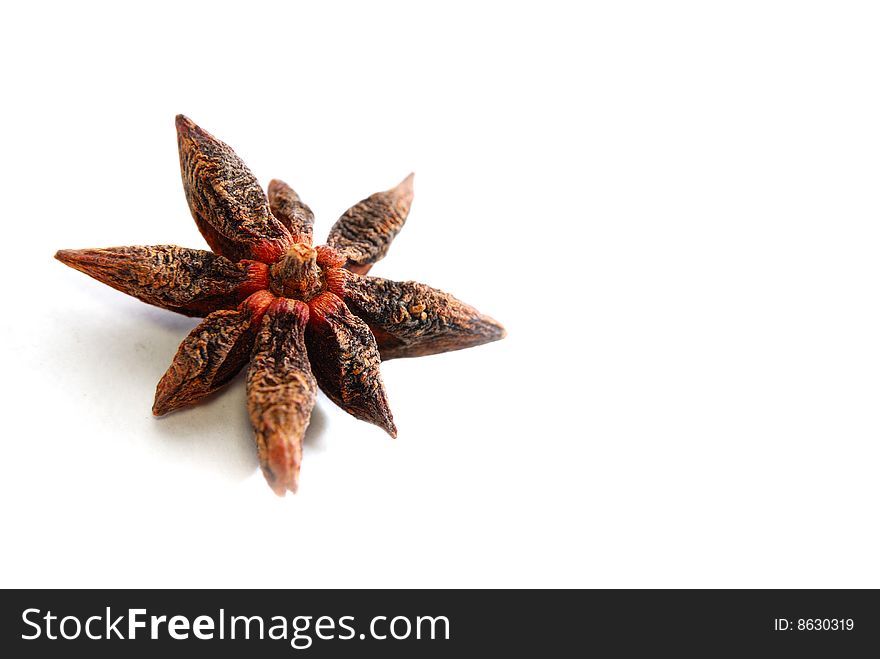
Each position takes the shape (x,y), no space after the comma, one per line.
(289,623)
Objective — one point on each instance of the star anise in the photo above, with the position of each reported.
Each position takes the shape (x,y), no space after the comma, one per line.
(304,316)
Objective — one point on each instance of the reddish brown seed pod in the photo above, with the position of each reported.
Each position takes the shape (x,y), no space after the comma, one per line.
(226,200)
(299,313)
(287,207)
(364,232)
(410,319)
(345,360)
(281,392)
(211,355)
(189,281)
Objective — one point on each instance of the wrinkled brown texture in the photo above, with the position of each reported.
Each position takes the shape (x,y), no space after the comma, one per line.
(364,232)
(211,355)
(328,325)
(287,208)
(190,281)
(281,393)
(345,360)
(410,319)
(226,200)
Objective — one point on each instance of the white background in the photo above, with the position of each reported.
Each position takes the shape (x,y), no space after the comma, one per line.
(673,207)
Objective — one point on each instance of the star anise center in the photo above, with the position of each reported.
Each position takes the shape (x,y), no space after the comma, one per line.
(297,274)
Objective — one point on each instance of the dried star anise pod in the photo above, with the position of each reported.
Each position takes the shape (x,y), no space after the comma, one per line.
(304,316)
